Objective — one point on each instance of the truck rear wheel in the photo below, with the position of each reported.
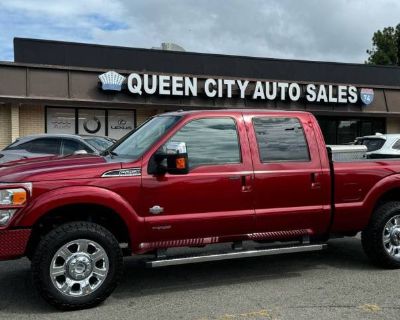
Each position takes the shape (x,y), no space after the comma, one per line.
(77,265)
(381,238)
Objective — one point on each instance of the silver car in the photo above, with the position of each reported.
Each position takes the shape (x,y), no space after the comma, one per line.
(381,145)
(53,144)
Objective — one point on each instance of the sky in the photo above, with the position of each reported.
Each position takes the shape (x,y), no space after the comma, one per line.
(324,30)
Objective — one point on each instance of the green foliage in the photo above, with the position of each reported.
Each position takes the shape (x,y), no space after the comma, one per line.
(385,47)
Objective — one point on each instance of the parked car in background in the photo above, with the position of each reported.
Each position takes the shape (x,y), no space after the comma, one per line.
(381,145)
(54,144)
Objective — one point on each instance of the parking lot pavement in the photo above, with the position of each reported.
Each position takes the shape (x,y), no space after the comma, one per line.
(335,284)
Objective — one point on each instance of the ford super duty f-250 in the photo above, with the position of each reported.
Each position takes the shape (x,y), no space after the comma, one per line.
(192,179)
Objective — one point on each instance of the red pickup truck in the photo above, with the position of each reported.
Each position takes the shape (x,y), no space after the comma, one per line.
(261,180)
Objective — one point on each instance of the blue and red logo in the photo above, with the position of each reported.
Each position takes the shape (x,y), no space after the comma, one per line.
(367,95)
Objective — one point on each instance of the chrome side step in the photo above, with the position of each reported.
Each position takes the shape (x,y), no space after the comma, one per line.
(233,255)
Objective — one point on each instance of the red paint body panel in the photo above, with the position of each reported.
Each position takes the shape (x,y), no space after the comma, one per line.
(206,202)
(213,203)
(303,207)
(358,186)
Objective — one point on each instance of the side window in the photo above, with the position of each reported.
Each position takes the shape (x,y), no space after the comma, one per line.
(45,145)
(396,145)
(70,146)
(210,141)
(280,139)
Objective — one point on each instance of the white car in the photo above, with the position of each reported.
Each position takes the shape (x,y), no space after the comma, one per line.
(381,145)
(53,144)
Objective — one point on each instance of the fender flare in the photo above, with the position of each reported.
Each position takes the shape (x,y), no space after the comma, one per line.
(378,190)
(88,195)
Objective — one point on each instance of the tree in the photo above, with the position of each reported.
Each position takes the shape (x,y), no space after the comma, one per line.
(385,47)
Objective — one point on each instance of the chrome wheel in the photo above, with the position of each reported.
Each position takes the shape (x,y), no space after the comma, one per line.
(79,268)
(391,237)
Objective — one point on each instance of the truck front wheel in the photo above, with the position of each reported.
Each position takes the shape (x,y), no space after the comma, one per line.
(381,238)
(77,265)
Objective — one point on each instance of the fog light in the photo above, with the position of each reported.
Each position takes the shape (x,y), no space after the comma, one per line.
(6,215)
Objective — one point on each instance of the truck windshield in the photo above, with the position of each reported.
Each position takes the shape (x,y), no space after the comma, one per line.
(136,143)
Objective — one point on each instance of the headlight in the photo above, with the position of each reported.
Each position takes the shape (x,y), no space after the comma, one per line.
(6,215)
(13,197)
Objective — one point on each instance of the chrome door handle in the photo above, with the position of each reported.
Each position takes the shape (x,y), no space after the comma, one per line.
(315,184)
(246,183)
(234,178)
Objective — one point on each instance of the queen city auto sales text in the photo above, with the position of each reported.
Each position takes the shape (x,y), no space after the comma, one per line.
(141,84)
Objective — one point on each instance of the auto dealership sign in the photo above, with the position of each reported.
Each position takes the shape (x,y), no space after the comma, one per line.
(167,85)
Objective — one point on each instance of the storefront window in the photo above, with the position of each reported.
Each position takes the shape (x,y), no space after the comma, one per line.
(120,122)
(345,130)
(86,121)
(92,122)
(60,120)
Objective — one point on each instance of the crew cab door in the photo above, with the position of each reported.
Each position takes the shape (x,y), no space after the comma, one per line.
(215,198)
(290,188)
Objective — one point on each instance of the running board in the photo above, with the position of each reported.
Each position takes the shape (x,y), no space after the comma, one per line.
(233,255)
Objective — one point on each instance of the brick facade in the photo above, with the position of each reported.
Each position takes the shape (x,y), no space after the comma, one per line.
(19,121)
(31,120)
(5,125)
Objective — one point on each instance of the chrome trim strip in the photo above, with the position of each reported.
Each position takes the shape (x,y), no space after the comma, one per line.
(130,172)
(234,255)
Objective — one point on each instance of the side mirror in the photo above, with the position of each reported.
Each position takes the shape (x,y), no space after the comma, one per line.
(172,158)
(78,152)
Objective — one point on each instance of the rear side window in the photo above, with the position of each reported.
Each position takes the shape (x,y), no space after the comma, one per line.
(396,145)
(280,139)
(372,144)
(44,145)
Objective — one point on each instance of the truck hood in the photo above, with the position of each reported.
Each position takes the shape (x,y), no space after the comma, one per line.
(56,168)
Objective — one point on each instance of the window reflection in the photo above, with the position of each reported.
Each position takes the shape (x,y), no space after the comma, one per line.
(280,139)
(139,141)
(210,141)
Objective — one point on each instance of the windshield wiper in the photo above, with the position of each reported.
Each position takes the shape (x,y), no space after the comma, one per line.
(109,152)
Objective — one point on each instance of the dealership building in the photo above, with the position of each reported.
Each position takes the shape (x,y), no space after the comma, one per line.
(62,87)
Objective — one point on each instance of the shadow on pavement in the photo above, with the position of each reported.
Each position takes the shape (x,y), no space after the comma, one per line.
(17,294)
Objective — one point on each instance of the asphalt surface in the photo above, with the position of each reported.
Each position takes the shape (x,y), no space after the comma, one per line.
(338,283)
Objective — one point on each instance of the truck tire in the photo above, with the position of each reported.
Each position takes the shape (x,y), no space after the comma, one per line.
(77,265)
(381,238)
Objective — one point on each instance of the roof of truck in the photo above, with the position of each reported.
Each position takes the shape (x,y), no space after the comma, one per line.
(235,111)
